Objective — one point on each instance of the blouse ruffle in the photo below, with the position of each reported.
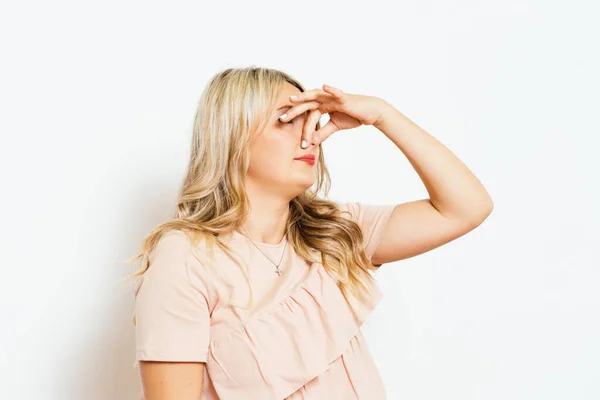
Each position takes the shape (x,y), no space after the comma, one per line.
(279,350)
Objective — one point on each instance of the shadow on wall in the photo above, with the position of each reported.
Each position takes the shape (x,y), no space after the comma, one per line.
(100,362)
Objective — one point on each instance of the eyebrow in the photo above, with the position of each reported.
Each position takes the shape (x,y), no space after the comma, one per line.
(285,106)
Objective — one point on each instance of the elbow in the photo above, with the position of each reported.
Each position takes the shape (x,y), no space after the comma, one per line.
(478,214)
(484,213)
(489,207)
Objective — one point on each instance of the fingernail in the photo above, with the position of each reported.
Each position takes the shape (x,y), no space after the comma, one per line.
(304,144)
(293,97)
(283,116)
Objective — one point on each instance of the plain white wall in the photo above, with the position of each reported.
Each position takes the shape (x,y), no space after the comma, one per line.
(97,107)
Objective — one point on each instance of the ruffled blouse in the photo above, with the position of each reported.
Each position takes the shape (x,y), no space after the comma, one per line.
(299,341)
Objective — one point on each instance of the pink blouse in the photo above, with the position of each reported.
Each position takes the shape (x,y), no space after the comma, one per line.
(300,340)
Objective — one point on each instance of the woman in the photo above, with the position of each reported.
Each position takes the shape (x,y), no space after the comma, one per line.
(257,288)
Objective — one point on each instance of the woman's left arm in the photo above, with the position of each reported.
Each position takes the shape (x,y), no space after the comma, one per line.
(458,201)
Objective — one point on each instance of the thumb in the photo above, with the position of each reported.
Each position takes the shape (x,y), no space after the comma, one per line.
(324,132)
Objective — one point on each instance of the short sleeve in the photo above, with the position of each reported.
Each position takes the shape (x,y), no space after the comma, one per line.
(171,306)
(372,220)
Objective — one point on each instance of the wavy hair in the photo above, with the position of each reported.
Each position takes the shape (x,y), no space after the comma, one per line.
(212,198)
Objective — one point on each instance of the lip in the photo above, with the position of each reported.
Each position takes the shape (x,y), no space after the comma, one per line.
(306,157)
(310,161)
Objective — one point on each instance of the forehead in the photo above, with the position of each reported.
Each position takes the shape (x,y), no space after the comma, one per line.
(287,90)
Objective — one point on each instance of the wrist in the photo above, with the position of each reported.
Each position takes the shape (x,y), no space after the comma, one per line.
(386,109)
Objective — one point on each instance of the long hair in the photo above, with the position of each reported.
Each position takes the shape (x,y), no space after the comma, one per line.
(212,198)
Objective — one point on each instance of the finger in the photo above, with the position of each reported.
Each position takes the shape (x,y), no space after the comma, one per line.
(333,91)
(299,109)
(309,127)
(302,96)
(327,130)
(314,94)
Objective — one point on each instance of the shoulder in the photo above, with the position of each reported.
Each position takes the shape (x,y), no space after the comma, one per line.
(351,210)
(177,251)
(173,243)
(345,208)
(365,213)
(179,245)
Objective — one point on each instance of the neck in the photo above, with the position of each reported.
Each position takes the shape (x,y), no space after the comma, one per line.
(267,221)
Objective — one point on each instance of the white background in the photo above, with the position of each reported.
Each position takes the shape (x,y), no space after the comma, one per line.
(97,104)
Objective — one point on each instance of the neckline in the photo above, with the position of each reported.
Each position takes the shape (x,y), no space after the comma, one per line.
(261,244)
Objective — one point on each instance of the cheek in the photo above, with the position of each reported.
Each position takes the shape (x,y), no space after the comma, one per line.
(271,156)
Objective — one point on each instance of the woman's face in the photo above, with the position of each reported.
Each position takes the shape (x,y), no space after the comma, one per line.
(272,152)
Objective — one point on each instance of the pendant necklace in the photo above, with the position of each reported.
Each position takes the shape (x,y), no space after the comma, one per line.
(277,270)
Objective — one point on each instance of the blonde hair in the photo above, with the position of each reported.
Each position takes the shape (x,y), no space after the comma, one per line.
(212,199)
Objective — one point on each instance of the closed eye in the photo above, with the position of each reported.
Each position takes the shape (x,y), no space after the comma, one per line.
(291,121)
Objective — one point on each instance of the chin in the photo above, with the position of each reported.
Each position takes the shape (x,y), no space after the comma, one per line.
(303,184)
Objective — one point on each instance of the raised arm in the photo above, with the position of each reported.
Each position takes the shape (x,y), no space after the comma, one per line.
(457,202)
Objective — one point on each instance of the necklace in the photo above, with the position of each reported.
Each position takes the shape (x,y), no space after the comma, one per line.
(277,270)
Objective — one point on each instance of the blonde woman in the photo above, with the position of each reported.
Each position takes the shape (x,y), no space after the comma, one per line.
(257,288)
